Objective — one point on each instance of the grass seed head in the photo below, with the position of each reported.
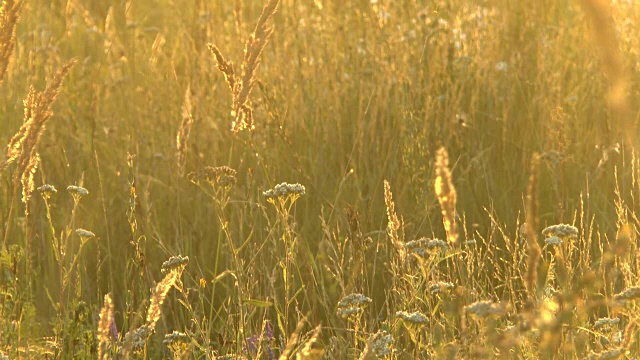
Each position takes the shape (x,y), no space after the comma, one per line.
(446,193)
(104,326)
(9,16)
(393,224)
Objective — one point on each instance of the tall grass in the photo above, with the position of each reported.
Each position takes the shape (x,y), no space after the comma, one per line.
(448,179)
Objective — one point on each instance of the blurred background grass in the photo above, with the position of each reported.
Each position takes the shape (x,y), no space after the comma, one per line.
(349,94)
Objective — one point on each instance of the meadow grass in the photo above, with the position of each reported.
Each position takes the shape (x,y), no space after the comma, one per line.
(319,179)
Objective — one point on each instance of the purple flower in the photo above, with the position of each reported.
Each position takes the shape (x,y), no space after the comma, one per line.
(252,344)
(113,329)
(268,331)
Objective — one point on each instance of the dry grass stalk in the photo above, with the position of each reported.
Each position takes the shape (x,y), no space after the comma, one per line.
(184,131)
(9,15)
(104,326)
(241,88)
(311,349)
(531,225)
(446,194)
(23,146)
(136,338)
(293,340)
(394,224)
(158,295)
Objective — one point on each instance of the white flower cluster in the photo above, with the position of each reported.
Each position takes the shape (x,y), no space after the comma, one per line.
(85,234)
(174,262)
(423,246)
(381,344)
(284,189)
(562,231)
(629,294)
(610,354)
(77,190)
(605,322)
(484,309)
(47,189)
(553,240)
(354,300)
(138,337)
(351,305)
(223,176)
(346,313)
(417,317)
(175,337)
(441,286)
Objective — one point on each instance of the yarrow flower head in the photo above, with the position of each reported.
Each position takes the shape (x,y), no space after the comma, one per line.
(553,240)
(424,246)
(77,191)
(415,318)
(85,234)
(381,344)
(177,342)
(348,312)
(136,339)
(354,300)
(441,287)
(351,305)
(483,309)
(562,231)
(629,294)
(284,190)
(47,190)
(175,262)
(221,176)
(609,354)
(606,323)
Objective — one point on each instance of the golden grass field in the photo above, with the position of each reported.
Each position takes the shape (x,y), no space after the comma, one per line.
(315,179)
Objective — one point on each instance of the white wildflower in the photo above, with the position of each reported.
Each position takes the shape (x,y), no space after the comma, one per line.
(416,318)
(484,309)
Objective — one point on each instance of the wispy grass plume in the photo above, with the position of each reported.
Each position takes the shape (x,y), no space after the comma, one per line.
(23,146)
(184,131)
(9,15)
(446,194)
(241,88)
(393,224)
(104,326)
